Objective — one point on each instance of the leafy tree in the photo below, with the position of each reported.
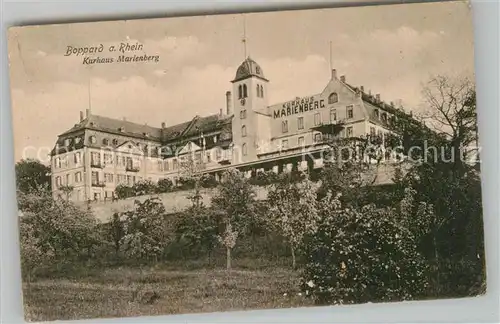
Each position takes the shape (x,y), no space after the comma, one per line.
(198,228)
(32,255)
(361,254)
(32,174)
(234,205)
(60,227)
(67,190)
(116,231)
(293,211)
(145,232)
(443,145)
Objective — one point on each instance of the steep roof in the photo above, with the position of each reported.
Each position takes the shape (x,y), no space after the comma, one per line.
(247,69)
(195,127)
(112,125)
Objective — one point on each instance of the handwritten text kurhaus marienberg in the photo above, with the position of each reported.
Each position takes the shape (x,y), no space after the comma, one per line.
(91,54)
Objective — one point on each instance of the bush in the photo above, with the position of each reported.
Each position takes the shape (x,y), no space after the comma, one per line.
(144,187)
(362,255)
(208,181)
(164,185)
(123,191)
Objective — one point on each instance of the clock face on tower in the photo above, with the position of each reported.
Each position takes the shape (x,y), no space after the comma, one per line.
(242,101)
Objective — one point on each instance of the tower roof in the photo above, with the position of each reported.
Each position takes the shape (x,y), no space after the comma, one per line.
(249,68)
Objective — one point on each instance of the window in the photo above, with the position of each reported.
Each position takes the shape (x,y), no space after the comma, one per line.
(160,165)
(129,180)
(175,164)
(105,141)
(243,114)
(67,141)
(92,139)
(95,177)
(350,112)
(349,131)
(333,98)
(166,165)
(244,149)
(333,115)
(317,137)
(284,144)
(258,90)
(209,158)
(261,91)
(384,117)
(108,159)
(240,91)
(115,142)
(108,177)
(317,119)
(301,141)
(95,159)
(372,131)
(376,113)
(57,162)
(243,131)
(245,93)
(77,158)
(257,70)
(67,179)
(78,177)
(284,126)
(300,123)
(58,182)
(218,153)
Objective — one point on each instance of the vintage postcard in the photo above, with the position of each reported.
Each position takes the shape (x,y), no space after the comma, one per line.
(247,161)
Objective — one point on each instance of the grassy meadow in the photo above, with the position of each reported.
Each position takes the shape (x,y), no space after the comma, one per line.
(161,290)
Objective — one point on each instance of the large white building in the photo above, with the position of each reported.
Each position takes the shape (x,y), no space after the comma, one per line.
(99,153)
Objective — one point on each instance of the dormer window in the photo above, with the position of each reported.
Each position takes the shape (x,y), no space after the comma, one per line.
(121,129)
(384,117)
(257,70)
(105,141)
(376,113)
(92,139)
(115,142)
(67,142)
(333,98)
(215,139)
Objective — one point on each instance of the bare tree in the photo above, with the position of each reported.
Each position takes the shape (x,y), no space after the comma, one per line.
(451,105)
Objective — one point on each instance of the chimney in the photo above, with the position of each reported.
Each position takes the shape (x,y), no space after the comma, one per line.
(342,78)
(334,74)
(377,96)
(87,113)
(81,116)
(392,103)
(163,125)
(362,89)
(358,92)
(220,112)
(228,103)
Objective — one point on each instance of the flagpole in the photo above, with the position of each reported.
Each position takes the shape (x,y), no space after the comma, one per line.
(244,36)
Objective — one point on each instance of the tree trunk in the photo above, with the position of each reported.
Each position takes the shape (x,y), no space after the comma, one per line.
(228,258)
(293,257)
(436,259)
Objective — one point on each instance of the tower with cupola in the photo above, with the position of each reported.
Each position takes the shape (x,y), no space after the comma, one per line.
(250,124)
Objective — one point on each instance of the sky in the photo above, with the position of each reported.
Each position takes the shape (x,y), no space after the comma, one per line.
(391,49)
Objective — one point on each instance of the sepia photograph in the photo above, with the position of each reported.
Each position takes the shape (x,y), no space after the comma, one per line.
(247,161)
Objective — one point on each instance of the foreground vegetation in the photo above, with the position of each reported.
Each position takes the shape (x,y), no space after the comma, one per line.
(341,241)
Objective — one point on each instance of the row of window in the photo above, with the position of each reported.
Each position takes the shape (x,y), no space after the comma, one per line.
(383,116)
(70,179)
(243,91)
(64,162)
(317,119)
(318,137)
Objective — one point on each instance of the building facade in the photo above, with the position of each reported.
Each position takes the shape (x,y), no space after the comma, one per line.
(99,153)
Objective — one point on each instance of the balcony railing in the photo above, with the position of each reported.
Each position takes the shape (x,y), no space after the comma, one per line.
(98,184)
(132,169)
